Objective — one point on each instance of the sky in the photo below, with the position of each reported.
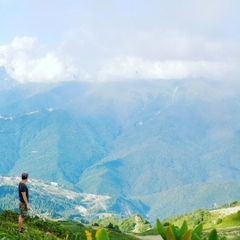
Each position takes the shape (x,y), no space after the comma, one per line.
(119,40)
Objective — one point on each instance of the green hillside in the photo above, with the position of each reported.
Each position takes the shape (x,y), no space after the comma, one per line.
(38,228)
(51,200)
(226,220)
(190,198)
(135,224)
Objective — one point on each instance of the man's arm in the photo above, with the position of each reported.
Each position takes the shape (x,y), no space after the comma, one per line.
(25,200)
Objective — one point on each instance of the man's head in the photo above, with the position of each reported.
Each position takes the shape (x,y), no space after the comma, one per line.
(24,176)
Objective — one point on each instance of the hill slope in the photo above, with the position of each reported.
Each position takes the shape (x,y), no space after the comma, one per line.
(50,200)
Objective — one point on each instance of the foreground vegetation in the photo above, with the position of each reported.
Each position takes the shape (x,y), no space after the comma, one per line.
(199,225)
(39,229)
(214,224)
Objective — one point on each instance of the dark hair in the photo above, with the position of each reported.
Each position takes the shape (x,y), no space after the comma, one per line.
(24,176)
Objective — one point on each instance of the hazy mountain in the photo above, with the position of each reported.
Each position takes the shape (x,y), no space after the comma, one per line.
(181,200)
(130,139)
(6,83)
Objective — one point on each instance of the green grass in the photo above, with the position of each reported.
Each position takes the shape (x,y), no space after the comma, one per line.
(231,220)
(37,229)
(149,232)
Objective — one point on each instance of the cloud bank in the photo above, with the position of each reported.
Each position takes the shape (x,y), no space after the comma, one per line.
(123,40)
(23,62)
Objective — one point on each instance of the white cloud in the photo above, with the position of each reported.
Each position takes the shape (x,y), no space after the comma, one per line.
(121,40)
(23,63)
(137,68)
(24,43)
(87,60)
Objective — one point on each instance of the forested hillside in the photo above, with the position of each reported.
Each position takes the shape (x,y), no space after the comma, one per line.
(52,201)
(140,140)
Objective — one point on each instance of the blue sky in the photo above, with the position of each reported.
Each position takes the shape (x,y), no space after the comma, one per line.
(100,40)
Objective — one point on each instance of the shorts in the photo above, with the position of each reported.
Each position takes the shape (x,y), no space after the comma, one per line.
(23,209)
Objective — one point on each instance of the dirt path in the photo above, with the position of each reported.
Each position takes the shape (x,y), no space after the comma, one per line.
(153,237)
(150,237)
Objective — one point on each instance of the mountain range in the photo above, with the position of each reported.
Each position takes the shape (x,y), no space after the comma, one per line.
(172,144)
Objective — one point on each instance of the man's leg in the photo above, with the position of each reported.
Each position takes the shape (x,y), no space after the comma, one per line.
(20,223)
(23,214)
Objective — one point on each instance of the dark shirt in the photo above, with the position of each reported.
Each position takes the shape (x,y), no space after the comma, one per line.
(22,187)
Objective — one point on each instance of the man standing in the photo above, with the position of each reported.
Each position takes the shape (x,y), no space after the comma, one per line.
(23,203)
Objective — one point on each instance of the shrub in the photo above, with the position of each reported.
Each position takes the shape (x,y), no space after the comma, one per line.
(219,221)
